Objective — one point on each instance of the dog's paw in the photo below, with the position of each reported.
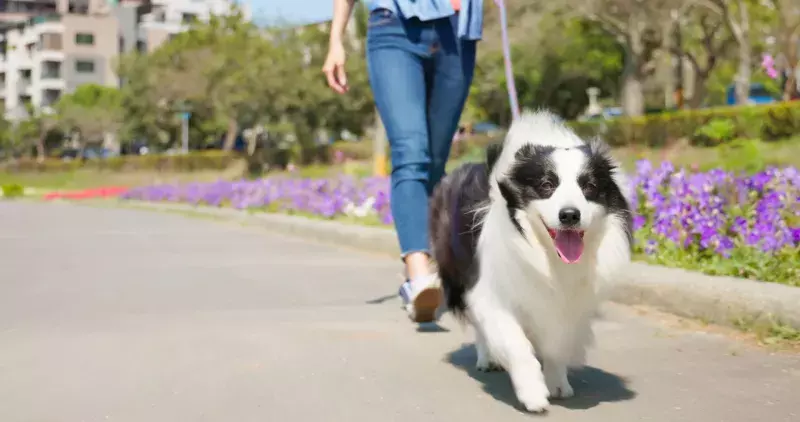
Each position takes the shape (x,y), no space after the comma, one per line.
(488,366)
(561,390)
(485,363)
(555,377)
(533,396)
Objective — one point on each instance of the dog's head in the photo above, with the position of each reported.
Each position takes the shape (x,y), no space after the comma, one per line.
(564,190)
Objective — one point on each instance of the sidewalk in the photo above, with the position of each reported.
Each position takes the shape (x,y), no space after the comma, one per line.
(142,316)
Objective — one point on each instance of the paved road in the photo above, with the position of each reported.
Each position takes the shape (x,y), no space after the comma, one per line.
(122,315)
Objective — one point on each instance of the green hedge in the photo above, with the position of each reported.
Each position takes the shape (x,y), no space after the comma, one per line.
(196,161)
(362,150)
(13,190)
(707,127)
(702,127)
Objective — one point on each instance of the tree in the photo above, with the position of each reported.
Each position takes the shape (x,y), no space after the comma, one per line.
(736,15)
(557,56)
(707,42)
(94,111)
(787,34)
(633,23)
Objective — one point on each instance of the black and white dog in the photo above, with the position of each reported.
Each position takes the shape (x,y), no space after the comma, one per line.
(525,244)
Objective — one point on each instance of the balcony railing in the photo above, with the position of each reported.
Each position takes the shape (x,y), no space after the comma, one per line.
(50,17)
(51,75)
(23,85)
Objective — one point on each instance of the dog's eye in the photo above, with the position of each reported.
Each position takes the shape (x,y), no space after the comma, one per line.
(589,188)
(546,186)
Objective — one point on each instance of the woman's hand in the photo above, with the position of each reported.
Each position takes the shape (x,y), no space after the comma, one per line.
(334,67)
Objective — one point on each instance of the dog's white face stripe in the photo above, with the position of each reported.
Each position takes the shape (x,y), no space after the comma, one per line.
(569,164)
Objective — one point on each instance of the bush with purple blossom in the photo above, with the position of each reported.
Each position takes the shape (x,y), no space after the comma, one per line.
(718,222)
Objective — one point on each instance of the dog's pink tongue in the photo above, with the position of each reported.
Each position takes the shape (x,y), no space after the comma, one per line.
(569,244)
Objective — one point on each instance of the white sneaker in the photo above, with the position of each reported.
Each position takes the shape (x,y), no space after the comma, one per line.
(421,298)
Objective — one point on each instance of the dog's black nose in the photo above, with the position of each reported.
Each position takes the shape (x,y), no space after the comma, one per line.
(569,216)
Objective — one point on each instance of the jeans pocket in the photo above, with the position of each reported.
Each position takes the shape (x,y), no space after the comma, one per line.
(381,17)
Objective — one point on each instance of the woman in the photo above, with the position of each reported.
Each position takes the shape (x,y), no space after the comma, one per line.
(420,58)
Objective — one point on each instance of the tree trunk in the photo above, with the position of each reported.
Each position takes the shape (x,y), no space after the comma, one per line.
(632,95)
(790,90)
(668,66)
(743,74)
(40,152)
(632,78)
(699,90)
(230,135)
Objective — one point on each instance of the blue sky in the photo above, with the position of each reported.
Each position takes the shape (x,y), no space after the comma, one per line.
(290,11)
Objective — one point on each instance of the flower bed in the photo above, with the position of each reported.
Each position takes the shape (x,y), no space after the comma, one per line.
(716,222)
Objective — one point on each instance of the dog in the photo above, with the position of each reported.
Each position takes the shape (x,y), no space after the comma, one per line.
(526,244)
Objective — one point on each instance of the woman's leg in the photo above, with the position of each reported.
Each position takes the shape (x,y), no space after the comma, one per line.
(397,60)
(453,68)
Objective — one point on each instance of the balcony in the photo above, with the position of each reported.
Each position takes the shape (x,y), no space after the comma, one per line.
(24,87)
(46,23)
(24,61)
(54,84)
(49,56)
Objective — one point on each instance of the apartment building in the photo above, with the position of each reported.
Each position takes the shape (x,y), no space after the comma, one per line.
(170,17)
(50,47)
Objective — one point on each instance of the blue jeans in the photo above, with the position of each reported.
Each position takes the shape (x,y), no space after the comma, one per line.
(420,73)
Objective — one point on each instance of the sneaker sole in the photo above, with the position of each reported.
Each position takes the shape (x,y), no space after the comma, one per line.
(426,303)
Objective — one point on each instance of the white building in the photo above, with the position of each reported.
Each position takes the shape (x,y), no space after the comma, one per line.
(58,45)
(50,54)
(170,17)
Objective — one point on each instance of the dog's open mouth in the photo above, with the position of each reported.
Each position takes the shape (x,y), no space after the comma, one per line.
(569,244)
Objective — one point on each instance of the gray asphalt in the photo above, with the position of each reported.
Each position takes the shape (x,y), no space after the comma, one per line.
(125,315)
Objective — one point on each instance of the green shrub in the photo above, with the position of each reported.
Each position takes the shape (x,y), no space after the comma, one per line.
(195,161)
(767,122)
(742,155)
(715,132)
(13,190)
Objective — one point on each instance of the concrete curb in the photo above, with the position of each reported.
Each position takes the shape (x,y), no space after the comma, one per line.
(721,300)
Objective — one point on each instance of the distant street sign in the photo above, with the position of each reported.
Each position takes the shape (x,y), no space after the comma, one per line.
(185,115)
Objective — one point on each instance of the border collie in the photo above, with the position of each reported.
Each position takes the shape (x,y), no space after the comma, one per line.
(525,244)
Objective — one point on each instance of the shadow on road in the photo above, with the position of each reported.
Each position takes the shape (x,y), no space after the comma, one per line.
(592,385)
(382,299)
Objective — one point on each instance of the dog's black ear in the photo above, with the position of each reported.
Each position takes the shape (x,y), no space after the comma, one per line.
(598,147)
(509,194)
(600,153)
(513,203)
(493,152)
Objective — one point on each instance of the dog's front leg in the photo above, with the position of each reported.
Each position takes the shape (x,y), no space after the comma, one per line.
(485,361)
(507,344)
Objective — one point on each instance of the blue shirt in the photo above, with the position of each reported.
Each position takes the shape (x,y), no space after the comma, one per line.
(470,19)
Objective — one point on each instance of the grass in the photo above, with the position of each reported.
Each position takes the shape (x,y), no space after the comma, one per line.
(86,179)
(749,156)
(769,331)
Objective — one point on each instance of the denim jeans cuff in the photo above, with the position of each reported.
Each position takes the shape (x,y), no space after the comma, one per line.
(406,253)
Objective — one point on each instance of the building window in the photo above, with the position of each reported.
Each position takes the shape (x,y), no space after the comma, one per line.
(188,17)
(84,66)
(50,41)
(84,38)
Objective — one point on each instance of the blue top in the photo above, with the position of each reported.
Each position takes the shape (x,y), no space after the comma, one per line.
(470,19)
